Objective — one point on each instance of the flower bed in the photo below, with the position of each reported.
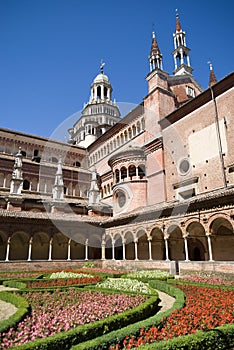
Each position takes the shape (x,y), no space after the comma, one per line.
(16,275)
(209,280)
(125,284)
(206,308)
(61,282)
(64,274)
(60,311)
(149,274)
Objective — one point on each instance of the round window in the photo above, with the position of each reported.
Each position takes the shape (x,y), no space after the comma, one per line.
(121,199)
(184,166)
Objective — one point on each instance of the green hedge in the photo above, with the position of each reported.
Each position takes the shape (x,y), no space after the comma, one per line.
(14,284)
(65,340)
(199,284)
(105,341)
(22,306)
(221,338)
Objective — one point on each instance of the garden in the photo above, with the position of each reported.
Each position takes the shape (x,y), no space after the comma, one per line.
(94,309)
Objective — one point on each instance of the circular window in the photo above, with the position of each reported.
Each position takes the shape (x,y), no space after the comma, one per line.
(184,166)
(121,197)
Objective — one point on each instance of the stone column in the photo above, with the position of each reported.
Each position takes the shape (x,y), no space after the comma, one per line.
(150,248)
(186,248)
(108,94)
(103,250)
(69,249)
(137,172)
(166,249)
(87,249)
(50,249)
(102,92)
(30,249)
(113,250)
(124,251)
(8,249)
(209,247)
(135,243)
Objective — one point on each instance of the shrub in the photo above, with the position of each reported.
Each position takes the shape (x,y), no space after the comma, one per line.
(20,303)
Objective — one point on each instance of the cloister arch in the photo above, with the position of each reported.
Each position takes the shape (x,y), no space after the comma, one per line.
(94,247)
(129,245)
(77,246)
(60,244)
(175,243)
(40,246)
(197,242)
(19,246)
(118,244)
(2,177)
(222,237)
(108,247)
(143,244)
(3,245)
(157,244)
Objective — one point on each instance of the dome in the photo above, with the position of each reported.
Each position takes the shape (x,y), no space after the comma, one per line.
(101,78)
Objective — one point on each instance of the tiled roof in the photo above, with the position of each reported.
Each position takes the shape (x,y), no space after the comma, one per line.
(48,216)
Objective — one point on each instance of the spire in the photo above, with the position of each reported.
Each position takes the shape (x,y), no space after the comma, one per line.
(212,79)
(181,51)
(94,196)
(58,188)
(17,175)
(178,26)
(102,64)
(155,58)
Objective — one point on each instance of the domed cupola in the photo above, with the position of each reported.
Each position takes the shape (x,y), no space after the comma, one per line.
(98,115)
(129,179)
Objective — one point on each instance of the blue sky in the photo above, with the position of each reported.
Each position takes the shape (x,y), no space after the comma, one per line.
(50,52)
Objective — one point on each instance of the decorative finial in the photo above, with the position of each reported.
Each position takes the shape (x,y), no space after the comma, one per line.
(102,64)
(212,79)
(210,64)
(177,13)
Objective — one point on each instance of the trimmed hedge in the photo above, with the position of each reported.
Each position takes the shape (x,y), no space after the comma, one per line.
(221,338)
(14,284)
(181,282)
(105,341)
(20,303)
(65,340)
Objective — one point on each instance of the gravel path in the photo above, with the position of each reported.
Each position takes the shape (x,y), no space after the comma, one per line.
(6,309)
(166,301)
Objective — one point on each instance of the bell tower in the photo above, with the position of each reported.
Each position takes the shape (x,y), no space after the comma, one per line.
(181,51)
(98,115)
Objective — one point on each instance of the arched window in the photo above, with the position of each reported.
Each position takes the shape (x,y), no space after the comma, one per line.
(116,175)
(105,92)
(26,185)
(138,127)
(132,171)
(121,139)
(76,164)
(123,171)
(125,136)
(99,92)
(141,171)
